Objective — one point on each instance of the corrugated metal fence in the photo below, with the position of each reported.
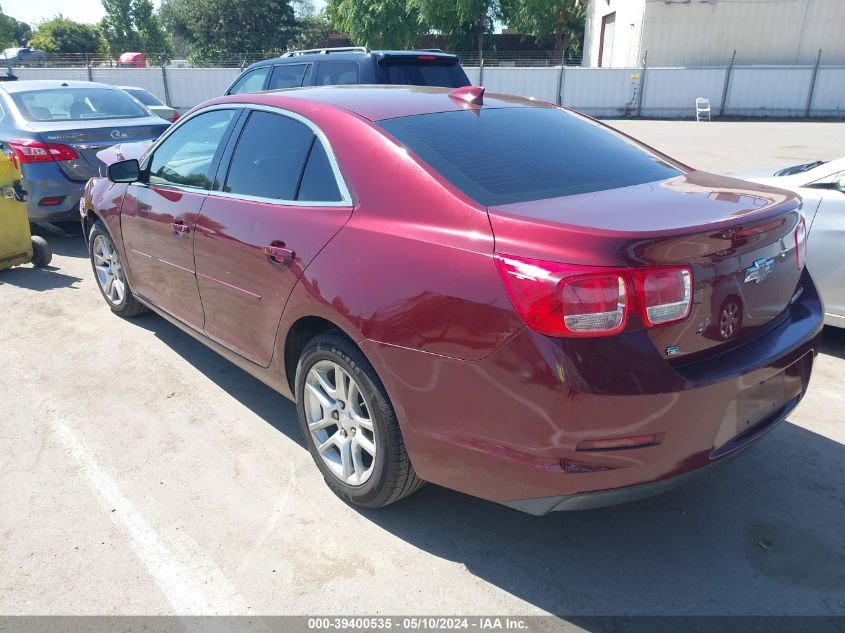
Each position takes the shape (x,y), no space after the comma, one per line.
(755,91)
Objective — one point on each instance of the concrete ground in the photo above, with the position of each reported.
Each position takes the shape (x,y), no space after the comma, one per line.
(142,474)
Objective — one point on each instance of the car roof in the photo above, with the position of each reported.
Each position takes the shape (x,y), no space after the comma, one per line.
(376,102)
(47,84)
(345,55)
(132,88)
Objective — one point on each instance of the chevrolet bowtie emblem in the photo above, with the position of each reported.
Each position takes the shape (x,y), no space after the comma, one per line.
(761,269)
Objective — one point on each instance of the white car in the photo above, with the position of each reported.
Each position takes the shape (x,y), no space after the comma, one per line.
(822,186)
(152,103)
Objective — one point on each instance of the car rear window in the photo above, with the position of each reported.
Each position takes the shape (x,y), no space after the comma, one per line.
(69,104)
(145,97)
(417,72)
(507,155)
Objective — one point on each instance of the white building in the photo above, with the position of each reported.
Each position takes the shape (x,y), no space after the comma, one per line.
(706,32)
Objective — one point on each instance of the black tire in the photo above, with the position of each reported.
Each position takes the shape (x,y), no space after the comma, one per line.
(129,306)
(41,253)
(393,476)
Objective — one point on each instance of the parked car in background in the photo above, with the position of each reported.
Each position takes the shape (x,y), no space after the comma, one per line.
(152,103)
(54,129)
(25,56)
(132,60)
(353,65)
(822,186)
(483,291)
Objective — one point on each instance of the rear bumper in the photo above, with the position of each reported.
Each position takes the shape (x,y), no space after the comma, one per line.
(507,428)
(48,181)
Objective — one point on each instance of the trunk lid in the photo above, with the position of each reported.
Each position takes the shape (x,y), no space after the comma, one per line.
(737,238)
(95,137)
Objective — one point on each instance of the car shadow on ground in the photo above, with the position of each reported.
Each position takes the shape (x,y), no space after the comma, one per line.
(761,534)
(38,279)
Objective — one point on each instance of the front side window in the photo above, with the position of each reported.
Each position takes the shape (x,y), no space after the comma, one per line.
(506,155)
(70,104)
(269,157)
(337,73)
(287,76)
(252,81)
(184,158)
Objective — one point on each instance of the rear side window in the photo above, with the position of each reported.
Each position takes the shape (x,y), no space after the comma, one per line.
(252,81)
(508,155)
(337,73)
(269,158)
(145,97)
(287,76)
(318,181)
(414,72)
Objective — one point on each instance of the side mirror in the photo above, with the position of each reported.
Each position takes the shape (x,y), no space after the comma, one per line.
(125,171)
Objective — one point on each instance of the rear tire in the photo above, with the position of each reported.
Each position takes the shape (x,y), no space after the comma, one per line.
(356,418)
(109,273)
(41,253)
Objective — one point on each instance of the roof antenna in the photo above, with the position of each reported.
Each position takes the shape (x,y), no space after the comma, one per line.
(468,94)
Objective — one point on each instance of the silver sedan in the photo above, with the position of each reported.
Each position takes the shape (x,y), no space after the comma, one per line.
(822,186)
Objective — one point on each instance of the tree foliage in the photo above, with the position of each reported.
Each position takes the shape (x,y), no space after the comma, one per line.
(312,31)
(133,26)
(64,36)
(465,22)
(230,29)
(547,21)
(13,32)
(377,23)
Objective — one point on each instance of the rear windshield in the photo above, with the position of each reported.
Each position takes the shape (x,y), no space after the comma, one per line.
(417,72)
(508,155)
(145,97)
(70,104)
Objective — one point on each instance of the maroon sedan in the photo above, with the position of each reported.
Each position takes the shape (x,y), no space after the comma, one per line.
(481,291)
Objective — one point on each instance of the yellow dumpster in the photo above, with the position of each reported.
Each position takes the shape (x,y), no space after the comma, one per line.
(17,245)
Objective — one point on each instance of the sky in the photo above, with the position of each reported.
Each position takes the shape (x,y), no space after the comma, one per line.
(34,11)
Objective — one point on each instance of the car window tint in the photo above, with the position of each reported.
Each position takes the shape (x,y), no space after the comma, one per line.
(67,104)
(252,81)
(287,76)
(184,158)
(145,97)
(414,72)
(318,181)
(269,157)
(506,155)
(336,73)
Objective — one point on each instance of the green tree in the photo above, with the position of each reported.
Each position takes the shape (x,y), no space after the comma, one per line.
(22,33)
(312,31)
(64,36)
(133,26)
(465,22)
(547,21)
(377,23)
(7,30)
(233,30)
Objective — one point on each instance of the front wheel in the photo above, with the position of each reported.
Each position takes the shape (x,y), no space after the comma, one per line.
(350,426)
(111,278)
(41,253)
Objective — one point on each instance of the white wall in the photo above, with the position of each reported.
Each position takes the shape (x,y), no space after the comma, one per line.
(705,33)
(605,92)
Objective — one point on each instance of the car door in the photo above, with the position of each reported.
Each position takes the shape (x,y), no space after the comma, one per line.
(825,240)
(280,199)
(159,213)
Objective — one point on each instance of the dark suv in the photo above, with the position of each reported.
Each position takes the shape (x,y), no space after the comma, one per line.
(353,65)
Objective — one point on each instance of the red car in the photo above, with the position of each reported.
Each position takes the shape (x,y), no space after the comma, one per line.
(490,293)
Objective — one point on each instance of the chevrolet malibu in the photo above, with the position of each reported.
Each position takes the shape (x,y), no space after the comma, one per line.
(481,291)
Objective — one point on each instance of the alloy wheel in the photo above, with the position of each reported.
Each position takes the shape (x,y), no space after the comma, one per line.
(109,270)
(729,320)
(339,421)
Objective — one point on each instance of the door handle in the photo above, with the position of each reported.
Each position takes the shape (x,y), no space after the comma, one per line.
(179,228)
(277,253)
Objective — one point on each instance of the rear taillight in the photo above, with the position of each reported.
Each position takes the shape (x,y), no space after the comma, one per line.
(37,152)
(664,294)
(801,243)
(579,301)
(175,117)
